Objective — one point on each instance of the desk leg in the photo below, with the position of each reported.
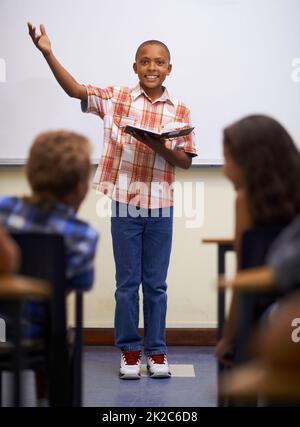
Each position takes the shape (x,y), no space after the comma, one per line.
(221,313)
(16,389)
(78,345)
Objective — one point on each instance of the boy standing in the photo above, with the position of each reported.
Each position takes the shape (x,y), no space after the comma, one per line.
(137,172)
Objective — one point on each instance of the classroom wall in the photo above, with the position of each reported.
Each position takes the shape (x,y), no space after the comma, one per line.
(193,266)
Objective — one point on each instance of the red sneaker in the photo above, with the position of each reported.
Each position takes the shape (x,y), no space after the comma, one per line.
(130,367)
(158,366)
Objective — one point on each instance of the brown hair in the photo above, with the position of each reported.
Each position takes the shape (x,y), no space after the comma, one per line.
(58,160)
(271,163)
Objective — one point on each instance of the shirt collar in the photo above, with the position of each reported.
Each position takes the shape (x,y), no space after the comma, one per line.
(62,207)
(138,91)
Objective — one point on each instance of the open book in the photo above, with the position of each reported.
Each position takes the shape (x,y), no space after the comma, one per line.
(170,130)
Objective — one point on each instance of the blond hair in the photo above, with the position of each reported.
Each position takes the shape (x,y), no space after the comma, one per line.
(57,162)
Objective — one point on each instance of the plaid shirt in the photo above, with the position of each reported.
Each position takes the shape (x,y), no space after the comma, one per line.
(129,171)
(80,239)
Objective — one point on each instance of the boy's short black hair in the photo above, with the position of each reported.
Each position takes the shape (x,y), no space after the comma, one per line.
(153,42)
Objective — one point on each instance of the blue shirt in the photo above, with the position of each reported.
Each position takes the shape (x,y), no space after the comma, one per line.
(80,241)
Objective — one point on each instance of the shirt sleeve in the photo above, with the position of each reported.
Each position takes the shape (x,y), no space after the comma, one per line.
(187,143)
(99,101)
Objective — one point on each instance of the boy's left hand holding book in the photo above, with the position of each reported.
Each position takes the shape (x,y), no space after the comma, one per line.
(153,142)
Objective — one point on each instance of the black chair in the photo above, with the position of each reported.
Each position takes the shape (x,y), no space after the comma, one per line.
(15,290)
(43,257)
(251,305)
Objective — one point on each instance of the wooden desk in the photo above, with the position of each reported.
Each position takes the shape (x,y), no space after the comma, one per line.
(21,287)
(224,245)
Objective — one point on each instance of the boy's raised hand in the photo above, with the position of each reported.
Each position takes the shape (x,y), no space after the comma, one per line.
(64,78)
(41,41)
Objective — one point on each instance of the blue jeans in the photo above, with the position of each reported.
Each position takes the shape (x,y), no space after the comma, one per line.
(142,247)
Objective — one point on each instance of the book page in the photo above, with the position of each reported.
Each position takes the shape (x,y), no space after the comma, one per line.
(173,126)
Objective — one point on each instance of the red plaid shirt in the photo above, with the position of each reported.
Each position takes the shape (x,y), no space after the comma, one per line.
(129,171)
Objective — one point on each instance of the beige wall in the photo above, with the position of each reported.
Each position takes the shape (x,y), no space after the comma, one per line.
(193,266)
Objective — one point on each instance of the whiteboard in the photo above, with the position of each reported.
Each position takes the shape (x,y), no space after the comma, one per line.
(230,58)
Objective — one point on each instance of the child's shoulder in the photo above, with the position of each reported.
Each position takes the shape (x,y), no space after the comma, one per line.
(122,94)
(85,230)
(9,202)
(121,89)
(109,91)
(180,105)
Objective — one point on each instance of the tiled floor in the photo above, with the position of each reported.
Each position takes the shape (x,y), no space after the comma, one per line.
(193,383)
(104,388)
(178,370)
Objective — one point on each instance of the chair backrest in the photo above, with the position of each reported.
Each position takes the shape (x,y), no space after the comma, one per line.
(255,245)
(43,257)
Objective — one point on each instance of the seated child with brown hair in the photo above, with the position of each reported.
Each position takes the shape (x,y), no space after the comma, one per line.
(58,171)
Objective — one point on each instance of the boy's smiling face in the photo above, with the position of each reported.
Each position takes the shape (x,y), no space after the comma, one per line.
(152,67)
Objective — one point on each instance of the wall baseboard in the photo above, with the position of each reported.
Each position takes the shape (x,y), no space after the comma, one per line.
(174,336)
